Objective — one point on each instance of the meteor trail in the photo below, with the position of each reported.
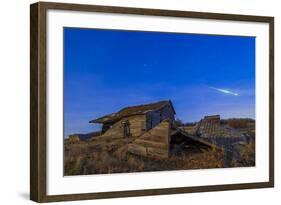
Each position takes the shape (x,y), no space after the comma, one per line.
(224,91)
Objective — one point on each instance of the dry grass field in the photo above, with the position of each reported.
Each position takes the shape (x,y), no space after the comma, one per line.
(102,155)
(98,157)
(82,158)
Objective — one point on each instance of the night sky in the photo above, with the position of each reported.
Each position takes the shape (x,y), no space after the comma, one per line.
(106,70)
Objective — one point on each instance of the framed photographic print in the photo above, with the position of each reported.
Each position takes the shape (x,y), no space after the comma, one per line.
(134,102)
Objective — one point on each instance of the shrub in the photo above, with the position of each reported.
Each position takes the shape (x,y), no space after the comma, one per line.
(237,123)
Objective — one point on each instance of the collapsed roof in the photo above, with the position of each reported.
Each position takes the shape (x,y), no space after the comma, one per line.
(133,110)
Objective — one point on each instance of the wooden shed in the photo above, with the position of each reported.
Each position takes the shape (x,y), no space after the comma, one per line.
(133,121)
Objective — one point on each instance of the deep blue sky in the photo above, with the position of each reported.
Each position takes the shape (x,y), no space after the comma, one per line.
(106,70)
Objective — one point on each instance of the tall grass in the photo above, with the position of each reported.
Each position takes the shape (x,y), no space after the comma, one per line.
(247,156)
(99,158)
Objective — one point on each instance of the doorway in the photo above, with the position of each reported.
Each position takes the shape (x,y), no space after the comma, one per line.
(126,127)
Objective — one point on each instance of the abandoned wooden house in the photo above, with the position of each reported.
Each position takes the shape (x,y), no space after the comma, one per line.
(211,129)
(229,139)
(133,121)
(209,126)
(212,119)
(152,127)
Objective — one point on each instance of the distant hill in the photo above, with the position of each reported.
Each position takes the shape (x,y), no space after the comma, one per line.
(85,136)
(238,122)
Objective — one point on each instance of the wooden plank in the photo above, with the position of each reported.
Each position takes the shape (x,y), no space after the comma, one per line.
(138,150)
(147,143)
(157,153)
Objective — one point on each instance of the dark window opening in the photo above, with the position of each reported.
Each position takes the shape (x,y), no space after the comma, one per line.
(127,131)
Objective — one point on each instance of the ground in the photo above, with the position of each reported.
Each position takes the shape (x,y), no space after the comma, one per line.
(95,158)
(102,155)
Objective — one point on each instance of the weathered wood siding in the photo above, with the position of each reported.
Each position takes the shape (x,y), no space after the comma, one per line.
(157,116)
(155,143)
(137,127)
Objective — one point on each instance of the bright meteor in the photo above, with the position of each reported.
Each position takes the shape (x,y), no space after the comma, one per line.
(225,91)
